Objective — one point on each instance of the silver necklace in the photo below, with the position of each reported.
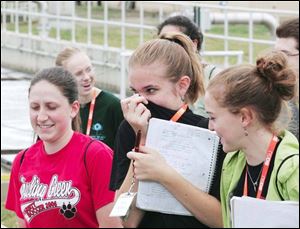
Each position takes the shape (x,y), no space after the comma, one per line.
(254,183)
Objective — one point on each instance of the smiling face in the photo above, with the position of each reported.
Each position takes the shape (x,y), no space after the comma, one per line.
(80,66)
(50,112)
(150,81)
(226,124)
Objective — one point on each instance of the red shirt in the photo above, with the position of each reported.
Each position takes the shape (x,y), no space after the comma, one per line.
(61,190)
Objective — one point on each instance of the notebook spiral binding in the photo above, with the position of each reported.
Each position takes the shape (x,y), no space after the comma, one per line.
(213,162)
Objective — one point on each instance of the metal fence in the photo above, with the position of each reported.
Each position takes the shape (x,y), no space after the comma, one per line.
(231,34)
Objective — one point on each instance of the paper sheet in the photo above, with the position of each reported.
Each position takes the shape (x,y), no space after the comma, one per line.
(247,212)
(191,150)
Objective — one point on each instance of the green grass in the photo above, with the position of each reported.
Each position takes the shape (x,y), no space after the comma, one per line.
(97,35)
(260,32)
(133,35)
(8,218)
(150,18)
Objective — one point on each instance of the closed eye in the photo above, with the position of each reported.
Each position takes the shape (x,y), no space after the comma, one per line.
(52,108)
(34,107)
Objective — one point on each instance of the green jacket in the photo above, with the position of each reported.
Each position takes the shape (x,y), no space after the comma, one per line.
(287,179)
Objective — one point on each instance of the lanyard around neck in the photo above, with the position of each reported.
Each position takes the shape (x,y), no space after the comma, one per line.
(91,112)
(265,169)
(179,113)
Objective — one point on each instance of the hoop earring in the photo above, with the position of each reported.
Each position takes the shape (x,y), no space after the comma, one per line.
(246,132)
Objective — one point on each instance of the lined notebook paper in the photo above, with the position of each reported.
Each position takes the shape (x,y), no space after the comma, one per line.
(191,150)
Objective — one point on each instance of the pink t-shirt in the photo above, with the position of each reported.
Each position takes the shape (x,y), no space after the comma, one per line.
(64,189)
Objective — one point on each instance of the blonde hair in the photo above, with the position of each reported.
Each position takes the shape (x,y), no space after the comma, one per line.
(65,55)
(175,51)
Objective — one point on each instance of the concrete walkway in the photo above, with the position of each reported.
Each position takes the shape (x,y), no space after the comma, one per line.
(15,123)
(9,74)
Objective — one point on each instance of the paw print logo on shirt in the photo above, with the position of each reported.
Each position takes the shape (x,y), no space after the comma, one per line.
(98,132)
(97,127)
(68,211)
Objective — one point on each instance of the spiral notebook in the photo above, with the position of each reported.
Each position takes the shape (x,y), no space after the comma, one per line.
(191,150)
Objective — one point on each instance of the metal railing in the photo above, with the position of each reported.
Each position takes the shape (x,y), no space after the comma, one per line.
(91,27)
(47,19)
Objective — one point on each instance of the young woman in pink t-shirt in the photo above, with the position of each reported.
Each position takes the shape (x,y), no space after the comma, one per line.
(62,180)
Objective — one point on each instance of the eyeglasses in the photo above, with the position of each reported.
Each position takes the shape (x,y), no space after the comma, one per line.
(290,54)
(87,70)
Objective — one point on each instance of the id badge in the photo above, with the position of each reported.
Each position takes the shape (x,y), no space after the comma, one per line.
(123,204)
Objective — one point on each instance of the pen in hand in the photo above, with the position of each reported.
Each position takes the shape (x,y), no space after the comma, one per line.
(137,141)
(136,149)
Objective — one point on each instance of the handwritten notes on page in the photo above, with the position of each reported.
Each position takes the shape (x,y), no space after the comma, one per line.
(247,212)
(191,150)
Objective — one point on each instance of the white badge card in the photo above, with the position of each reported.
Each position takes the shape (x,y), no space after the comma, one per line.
(123,204)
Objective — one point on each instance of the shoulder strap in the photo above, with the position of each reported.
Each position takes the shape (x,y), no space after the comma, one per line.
(211,71)
(22,157)
(86,148)
(85,151)
(276,179)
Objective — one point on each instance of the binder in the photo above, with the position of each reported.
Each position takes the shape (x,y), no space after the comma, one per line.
(248,212)
(190,150)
